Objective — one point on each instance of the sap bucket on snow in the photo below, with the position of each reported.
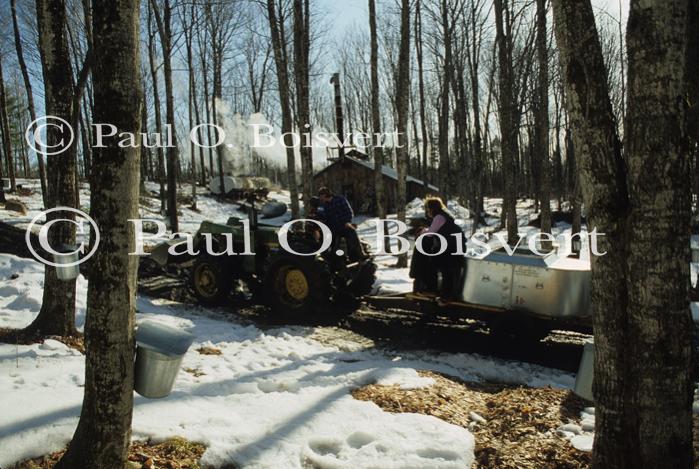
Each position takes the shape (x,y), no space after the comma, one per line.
(583,380)
(159,354)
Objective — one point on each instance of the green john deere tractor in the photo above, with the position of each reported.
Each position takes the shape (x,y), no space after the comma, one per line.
(289,281)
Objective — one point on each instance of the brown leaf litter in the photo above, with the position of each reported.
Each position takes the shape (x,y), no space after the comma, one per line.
(519,427)
(209,351)
(175,453)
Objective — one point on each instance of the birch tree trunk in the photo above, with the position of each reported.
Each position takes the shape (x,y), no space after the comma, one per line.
(102,437)
(642,381)
(402,104)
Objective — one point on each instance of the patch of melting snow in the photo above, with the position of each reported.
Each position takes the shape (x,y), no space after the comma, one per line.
(580,436)
(583,442)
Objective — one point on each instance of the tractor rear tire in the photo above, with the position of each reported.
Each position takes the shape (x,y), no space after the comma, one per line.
(210,281)
(298,286)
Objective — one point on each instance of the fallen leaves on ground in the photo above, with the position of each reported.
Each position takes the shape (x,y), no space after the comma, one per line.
(209,351)
(196,372)
(520,424)
(175,453)
(20,337)
(74,342)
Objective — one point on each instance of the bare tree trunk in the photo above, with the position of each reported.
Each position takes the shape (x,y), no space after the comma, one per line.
(402,104)
(377,147)
(102,437)
(508,129)
(2,190)
(86,146)
(443,118)
(88,136)
(145,151)
(279,47)
(301,71)
(156,106)
(473,43)
(30,97)
(203,47)
(557,171)
(542,121)
(200,137)
(191,104)
(6,137)
(642,383)
(660,188)
(693,91)
(195,102)
(216,97)
(164,30)
(57,314)
(421,91)
(574,179)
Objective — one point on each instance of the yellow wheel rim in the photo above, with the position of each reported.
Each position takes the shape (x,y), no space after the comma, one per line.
(296,284)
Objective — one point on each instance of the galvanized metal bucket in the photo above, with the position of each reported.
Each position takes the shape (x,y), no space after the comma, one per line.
(583,380)
(159,354)
(67,258)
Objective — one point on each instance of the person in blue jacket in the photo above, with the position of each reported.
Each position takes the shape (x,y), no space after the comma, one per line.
(337,214)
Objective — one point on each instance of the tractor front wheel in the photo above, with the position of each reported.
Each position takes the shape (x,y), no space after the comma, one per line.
(210,281)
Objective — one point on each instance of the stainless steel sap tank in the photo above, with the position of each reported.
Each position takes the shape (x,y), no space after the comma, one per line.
(548,286)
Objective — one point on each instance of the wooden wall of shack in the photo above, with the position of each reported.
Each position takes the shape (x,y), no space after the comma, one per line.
(356,182)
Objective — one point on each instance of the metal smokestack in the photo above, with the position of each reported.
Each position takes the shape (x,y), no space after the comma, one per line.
(335,80)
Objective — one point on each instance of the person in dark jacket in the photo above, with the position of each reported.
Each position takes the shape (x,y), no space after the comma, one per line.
(315,212)
(449,264)
(337,214)
(422,268)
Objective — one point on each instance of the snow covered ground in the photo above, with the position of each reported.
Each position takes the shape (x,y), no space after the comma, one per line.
(272,398)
